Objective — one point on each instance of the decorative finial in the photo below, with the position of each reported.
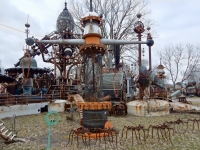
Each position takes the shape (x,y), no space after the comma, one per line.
(160,60)
(91,9)
(65,5)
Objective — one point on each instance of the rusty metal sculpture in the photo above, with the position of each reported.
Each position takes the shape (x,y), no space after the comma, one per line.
(135,131)
(92,48)
(134,134)
(194,120)
(176,123)
(162,129)
(96,134)
(159,130)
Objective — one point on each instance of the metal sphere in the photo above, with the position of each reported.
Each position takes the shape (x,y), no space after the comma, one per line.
(139,27)
(139,15)
(150,42)
(148,28)
(29,41)
(27,25)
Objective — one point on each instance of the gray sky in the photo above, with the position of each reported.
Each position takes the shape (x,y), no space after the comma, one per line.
(177,21)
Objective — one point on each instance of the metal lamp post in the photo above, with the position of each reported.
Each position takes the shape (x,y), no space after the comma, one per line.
(139,29)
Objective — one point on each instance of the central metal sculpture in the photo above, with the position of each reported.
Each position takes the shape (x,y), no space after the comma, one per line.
(92,48)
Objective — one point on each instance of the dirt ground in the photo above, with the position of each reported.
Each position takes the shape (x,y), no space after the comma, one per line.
(35,130)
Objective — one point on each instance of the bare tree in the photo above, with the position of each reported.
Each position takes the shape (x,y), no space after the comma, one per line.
(119,17)
(180,61)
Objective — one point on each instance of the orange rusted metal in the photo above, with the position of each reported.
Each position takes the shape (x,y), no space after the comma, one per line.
(95,133)
(92,48)
(108,125)
(94,105)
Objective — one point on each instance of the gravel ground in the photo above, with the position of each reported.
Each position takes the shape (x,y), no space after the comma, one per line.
(35,130)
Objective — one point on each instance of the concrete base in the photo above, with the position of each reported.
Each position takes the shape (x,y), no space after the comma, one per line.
(148,108)
(21,110)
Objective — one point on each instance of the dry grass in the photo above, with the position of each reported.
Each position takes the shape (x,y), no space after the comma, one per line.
(35,130)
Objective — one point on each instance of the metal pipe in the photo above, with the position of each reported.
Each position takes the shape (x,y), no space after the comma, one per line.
(93,74)
(68,41)
(82,41)
(140,64)
(113,41)
(110,58)
(149,58)
(175,93)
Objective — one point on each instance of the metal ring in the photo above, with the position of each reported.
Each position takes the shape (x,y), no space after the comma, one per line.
(50,122)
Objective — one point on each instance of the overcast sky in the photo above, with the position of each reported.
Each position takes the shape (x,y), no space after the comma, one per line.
(177,21)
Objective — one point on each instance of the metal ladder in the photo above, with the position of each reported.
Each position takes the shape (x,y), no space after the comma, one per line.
(5,133)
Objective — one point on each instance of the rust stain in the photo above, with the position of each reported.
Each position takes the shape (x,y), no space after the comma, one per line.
(136,108)
(140,109)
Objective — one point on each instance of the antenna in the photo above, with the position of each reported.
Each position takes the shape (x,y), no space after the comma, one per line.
(27,26)
(27,18)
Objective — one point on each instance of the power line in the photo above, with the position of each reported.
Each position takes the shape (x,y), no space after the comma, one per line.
(18,30)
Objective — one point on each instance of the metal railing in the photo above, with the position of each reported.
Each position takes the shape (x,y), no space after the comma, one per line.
(23,99)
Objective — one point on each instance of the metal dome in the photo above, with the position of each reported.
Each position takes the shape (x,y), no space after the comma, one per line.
(28,61)
(65,20)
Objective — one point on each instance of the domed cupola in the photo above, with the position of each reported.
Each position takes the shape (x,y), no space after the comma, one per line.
(65,20)
(28,66)
(28,62)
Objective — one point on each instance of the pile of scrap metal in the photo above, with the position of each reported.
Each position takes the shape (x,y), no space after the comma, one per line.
(189,88)
(157,89)
(158,92)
